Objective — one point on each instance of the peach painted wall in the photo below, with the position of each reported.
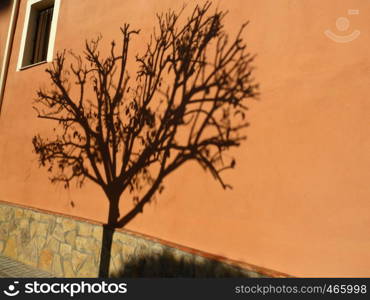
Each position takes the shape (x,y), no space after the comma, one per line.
(300,202)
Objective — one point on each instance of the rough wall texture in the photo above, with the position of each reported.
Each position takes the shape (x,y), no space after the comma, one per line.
(300,202)
(67,247)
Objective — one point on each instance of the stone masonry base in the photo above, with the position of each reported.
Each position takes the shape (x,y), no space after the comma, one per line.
(69,247)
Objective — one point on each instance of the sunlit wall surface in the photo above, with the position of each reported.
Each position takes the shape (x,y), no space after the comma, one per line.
(300,197)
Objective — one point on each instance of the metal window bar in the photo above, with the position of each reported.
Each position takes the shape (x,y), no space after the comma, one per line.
(40,49)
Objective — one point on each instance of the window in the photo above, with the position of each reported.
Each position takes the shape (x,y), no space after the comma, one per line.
(42,34)
(39,31)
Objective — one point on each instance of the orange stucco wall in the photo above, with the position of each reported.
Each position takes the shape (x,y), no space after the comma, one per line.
(300,202)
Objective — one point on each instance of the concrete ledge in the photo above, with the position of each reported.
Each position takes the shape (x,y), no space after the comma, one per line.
(70,247)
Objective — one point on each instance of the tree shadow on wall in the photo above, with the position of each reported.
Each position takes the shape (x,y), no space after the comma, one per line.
(167,264)
(187,103)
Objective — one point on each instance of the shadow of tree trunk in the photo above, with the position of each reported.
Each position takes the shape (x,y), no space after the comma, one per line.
(107,238)
(106,249)
(114,222)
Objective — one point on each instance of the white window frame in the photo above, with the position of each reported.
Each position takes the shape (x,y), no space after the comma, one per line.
(27,26)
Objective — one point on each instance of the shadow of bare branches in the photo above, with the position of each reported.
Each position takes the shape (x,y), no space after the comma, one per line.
(187,103)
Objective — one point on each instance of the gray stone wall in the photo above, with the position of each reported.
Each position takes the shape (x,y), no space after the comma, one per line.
(67,247)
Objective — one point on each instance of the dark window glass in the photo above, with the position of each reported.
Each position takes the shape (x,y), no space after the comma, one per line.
(42,34)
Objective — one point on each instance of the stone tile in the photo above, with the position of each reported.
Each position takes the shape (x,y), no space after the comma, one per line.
(65,250)
(11,247)
(4,231)
(157,249)
(3,215)
(58,233)
(77,260)
(2,244)
(13,225)
(46,259)
(68,269)
(188,259)
(177,254)
(24,237)
(89,268)
(17,234)
(46,218)
(127,251)
(57,266)
(53,245)
(9,214)
(42,229)
(35,216)
(125,238)
(29,254)
(97,233)
(70,238)
(68,224)
(116,249)
(24,223)
(143,248)
(25,260)
(199,260)
(28,242)
(96,251)
(33,228)
(18,213)
(40,242)
(27,213)
(84,244)
(115,265)
(84,229)
(51,226)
